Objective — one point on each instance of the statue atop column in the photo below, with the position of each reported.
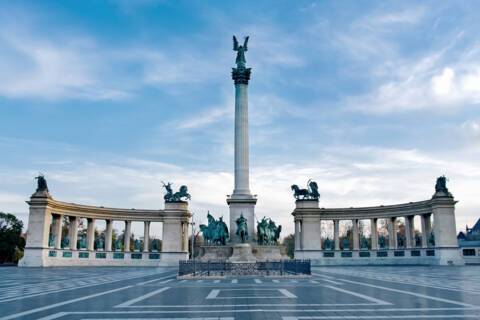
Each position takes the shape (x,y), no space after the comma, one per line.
(240,60)
(41,183)
(441,187)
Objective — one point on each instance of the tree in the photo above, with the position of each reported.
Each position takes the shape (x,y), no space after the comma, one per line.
(289,243)
(11,241)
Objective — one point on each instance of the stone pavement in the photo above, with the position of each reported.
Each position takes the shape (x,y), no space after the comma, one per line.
(155,293)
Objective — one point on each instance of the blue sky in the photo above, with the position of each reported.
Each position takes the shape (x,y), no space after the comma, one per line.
(373,100)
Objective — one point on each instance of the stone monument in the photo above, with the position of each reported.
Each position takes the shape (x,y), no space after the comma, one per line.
(241,202)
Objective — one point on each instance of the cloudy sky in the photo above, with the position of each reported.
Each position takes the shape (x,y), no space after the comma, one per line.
(373,100)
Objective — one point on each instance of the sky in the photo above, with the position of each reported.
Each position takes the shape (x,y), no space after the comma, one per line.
(373,100)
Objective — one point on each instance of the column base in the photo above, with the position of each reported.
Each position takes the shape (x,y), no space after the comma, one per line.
(242,205)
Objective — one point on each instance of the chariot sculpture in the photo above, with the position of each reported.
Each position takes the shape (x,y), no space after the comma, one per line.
(178,196)
(311,193)
(41,183)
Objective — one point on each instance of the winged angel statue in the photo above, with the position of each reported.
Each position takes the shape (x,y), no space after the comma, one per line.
(240,61)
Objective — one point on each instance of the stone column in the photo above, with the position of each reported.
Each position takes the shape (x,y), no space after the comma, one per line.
(146,236)
(374,233)
(297,235)
(355,235)
(426,226)
(90,234)
(57,231)
(408,231)
(320,232)
(336,233)
(108,235)
(128,230)
(392,236)
(73,232)
(185,236)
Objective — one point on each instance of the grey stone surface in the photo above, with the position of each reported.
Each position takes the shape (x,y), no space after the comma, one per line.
(155,293)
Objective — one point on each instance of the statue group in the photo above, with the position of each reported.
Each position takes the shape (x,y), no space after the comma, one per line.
(311,193)
(216,232)
(267,232)
(178,196)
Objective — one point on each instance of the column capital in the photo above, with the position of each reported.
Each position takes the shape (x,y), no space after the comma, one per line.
(241,75)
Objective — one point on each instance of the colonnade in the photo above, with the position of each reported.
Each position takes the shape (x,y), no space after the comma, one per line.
(308,218)
(46,219)
(426,230)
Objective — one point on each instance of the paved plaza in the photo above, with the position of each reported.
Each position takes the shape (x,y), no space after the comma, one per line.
(155,293)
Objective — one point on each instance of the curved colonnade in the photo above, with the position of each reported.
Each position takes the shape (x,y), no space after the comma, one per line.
(45,223)
(308,241)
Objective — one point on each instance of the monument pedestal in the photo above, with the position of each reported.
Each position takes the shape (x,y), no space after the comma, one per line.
(242,252)
(242,205)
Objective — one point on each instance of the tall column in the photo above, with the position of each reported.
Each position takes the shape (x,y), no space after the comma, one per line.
(336,233)
(241,203)
(355,235)
(108,235)
(57,231)
(128,230)
(297,235)
(146,236)
(73,232)
(90,234)
(426,226)
(374,233)
(408,232)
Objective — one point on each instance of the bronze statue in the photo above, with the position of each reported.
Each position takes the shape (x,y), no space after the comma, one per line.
(441,185)
(177,196)
(242,229)
(41,183)
(240,60)
(216,232)
(306,194)
(267,232)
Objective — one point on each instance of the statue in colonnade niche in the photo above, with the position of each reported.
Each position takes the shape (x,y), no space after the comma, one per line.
(363,243)
(137,245)
(346,244)
(170,196)
(155,245)
(327,244)
(311,193)
(381,241)
(65,242)
(267,232)
(431,239)
(216,232)
(100,244)
(82,243)
(51,240)
(418,240)
(118,245)
(242,229)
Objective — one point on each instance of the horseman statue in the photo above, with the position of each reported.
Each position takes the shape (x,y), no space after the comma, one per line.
(267,232)
(170,196)
(242,230)
(311,193)
(216,232)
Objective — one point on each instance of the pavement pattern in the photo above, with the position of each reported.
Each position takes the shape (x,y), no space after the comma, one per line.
(402,292)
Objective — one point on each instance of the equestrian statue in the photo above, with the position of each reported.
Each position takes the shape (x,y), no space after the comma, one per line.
(216,232)
(242,229)
(267,232)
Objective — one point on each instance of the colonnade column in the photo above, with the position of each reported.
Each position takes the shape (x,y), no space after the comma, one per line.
(90,233)
(392,235)
(297,235)
(108,235)
(426,229)
(320,232)
(408,232)
(126,240)
(336,233)
(374,233)
(73,232)
(355,235)
(185,235)
(57,231)
(146,236)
